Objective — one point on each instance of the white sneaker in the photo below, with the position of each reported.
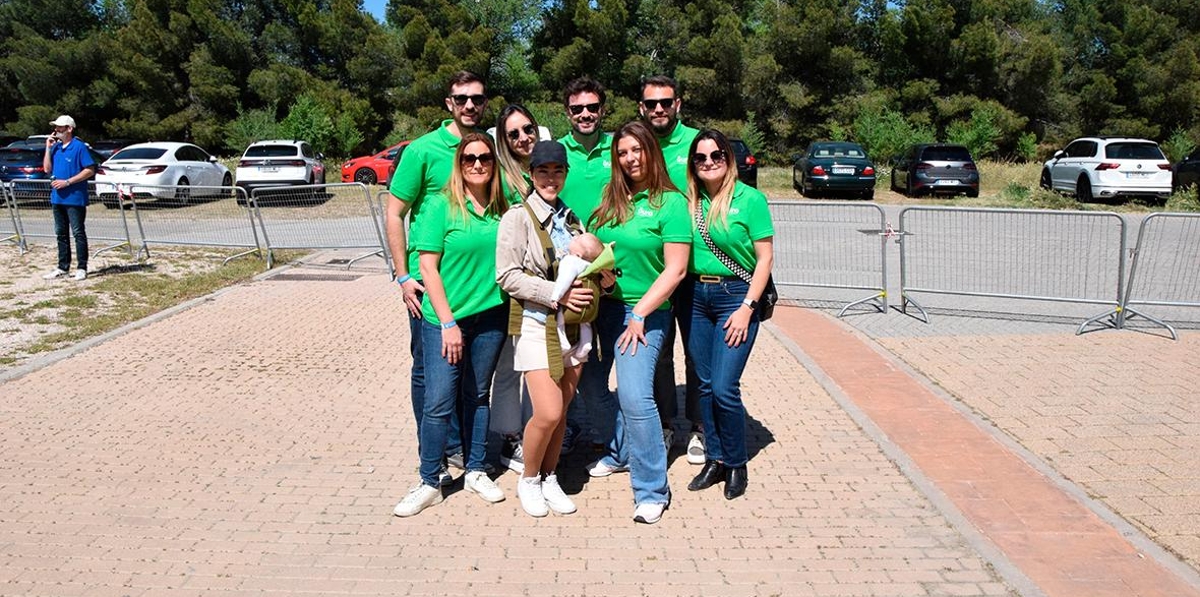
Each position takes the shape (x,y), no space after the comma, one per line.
(420,497)
(533,502)
(555,497)
(57,273)
(600,469)
(695,448)
(648,513)
(478,482)
(80,275)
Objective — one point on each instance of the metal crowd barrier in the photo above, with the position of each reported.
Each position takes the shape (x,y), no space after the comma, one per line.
(10,227)
(1063,256)
(1166,267)
(380,207)
(199,216)
(828,244)
(32,201)
(333,216)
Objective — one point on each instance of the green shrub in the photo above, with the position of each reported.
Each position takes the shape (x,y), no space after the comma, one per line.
(1185,200)
(979,134)
(1178,146)
(250,126)
(1026,149)
(307,120)
(885,134)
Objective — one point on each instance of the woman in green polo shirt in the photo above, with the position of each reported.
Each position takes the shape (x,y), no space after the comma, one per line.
(465,318)
(646,217)
(733,230)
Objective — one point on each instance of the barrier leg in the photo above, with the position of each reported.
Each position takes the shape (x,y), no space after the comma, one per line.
(873,299)
(1133,313)
(904,302)
(1111,315)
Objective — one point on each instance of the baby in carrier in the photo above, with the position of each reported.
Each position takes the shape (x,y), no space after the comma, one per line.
(581,252)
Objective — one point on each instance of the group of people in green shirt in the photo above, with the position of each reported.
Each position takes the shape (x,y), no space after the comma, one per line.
(488,221)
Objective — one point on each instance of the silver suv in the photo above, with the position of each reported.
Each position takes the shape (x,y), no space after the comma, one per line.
(1109,167)
(279,163)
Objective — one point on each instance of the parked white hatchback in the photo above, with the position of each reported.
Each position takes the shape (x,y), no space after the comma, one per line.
(1109,167)
(279,163)
(162,171)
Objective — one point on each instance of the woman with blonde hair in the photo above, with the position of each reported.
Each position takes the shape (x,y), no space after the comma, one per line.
(732,241)
(646,217)
(465,314)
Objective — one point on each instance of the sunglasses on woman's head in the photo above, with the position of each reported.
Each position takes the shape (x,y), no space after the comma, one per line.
(578,109)
(469,159)
(528,129)
(717,157)
(461,99)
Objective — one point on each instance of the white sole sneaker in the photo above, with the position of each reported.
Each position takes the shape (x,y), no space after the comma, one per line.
(599,469)
(479,483)
(420,497)
(556,498)
(648,513)
(529,491)
(695,448)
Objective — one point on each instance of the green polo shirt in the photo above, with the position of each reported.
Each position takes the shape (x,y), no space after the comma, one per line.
(639,243)
(749,219)
(423,171)
(587,173)
(675,147)
(515,196)
(467,242)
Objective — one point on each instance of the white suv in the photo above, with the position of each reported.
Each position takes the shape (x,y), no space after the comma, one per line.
(1109,167)
(279,163)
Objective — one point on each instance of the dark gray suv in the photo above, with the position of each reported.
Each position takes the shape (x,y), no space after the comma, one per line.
(929,168)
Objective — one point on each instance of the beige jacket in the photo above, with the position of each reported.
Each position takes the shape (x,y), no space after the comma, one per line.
(518,249)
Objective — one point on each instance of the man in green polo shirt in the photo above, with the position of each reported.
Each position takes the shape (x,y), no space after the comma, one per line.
(423,171)
(589,168)
(659,107)
(589,159)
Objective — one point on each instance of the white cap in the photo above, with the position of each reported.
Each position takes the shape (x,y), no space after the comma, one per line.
(63,120)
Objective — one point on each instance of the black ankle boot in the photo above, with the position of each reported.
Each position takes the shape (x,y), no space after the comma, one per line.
(735,482)
(712,473)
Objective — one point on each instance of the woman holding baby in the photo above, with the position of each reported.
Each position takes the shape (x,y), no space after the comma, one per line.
(550,358)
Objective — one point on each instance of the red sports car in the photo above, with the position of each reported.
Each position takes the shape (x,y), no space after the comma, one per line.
(371,169)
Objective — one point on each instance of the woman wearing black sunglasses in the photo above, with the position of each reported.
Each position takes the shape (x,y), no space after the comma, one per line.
(464,318)
(731,222)
(516,134)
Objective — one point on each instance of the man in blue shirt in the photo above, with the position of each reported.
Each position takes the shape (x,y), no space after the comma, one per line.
(70,166)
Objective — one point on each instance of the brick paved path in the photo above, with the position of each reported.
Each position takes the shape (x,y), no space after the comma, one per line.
(256,443)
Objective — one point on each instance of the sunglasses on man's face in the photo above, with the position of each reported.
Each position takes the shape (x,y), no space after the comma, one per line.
(717,157)
(461,99)
(528,129)
(651,104)
(578,109)
(484,159)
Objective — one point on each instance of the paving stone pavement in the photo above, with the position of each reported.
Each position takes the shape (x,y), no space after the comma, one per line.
(256,443)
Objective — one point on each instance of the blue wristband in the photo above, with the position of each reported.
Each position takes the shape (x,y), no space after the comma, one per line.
(449,324)
(403,279)
(636,317)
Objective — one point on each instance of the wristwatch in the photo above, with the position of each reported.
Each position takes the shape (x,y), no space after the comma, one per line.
(749,303)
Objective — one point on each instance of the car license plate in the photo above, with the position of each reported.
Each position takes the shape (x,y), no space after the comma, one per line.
(1136,174)
(843,169)
(945,182)
(269,169)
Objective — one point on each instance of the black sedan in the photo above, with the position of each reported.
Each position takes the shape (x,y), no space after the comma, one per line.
(829,167)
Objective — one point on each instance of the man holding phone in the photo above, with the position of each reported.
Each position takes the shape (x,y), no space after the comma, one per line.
(70,166)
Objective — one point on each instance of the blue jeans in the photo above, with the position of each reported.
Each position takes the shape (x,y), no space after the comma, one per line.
(637,433)
(75,217)
(720,367)
(466,385)
(417,385)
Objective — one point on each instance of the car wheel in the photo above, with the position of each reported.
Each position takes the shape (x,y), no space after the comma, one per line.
(973,193)
(1083,190)
(908,187)
(1046,182)
(183,194)
(868,195)
(365,176)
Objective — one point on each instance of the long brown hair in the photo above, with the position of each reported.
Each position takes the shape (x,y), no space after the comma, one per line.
(719,210)
(511,168)
(615,201)
(456,187)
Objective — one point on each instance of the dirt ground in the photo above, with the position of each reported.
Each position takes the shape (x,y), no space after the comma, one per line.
(38,316)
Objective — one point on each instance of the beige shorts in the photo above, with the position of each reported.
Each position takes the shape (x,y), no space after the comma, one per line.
(530,348)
